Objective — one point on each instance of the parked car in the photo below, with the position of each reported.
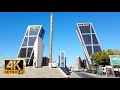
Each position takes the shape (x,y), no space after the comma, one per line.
(81,69)
(85,69)
(94,71)
(117,72)
(54,65)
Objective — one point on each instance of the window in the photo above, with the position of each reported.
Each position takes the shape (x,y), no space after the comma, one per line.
(27,60)
(29,52)
(32,55)
(87,39)
(96,49)
(31,62)
(22,53)
(62,54)
(95,41)
(92,29)
(34,30)
(84,29)
(89,49)
(42,32)
(31,41)
(25,41)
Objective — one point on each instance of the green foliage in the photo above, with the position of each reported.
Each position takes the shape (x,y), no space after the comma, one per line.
(102,58)
(96,57)
(93,66)
(110,52)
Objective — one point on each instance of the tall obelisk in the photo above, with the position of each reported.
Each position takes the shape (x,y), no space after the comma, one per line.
(51,34)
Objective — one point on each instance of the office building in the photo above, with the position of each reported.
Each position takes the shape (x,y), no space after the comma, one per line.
(45,61)
(78,61)
(62,59)
(89,40)
(32,45)
(84,63)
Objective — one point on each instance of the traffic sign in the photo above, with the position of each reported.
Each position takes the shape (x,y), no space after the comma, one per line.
(114,60)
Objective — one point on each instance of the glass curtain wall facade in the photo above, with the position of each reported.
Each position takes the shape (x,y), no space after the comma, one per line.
(88,39)
(26,49)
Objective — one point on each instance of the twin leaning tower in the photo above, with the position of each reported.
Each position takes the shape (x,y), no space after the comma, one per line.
(32,46)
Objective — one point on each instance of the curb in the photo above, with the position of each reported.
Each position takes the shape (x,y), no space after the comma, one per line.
(94,75)
(74,75)
(63,72)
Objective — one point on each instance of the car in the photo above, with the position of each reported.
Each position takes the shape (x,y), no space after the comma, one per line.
(81,69)
(85,70)
(54,65)
(94,71)
(89,71)
(117,72)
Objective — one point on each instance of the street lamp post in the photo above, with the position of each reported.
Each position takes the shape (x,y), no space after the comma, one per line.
(51,32)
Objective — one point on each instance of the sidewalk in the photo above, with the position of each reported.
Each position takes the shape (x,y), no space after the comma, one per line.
(98,76)
(32,72)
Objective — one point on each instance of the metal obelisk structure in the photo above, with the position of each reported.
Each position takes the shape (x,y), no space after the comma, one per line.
(51,32)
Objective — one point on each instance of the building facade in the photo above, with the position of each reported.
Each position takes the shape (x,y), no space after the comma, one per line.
(84,63)
(89,40)
(32,45)
(62,59)
(45,61)
(78,61)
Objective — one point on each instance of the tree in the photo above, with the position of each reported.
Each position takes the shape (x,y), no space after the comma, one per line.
(110,52)
(105,58)
(96,57)
(101,58)
(93,66)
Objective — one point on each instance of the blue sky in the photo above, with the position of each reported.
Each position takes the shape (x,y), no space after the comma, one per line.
(14,24)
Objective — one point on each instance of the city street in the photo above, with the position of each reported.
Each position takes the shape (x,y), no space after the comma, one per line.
(83,75)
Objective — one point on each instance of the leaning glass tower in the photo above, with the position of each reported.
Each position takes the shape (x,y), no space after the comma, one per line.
(32,45)
(88,39)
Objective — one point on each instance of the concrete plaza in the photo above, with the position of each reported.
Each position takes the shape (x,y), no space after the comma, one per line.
(32,72)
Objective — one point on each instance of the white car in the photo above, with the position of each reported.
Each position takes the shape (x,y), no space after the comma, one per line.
(85,70)
(54,65)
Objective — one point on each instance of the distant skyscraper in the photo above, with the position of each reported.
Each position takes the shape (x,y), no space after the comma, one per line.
(89,40)
(32,45)
(62,59)
(78,61)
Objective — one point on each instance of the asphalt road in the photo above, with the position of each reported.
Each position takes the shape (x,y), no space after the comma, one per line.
(82,75)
